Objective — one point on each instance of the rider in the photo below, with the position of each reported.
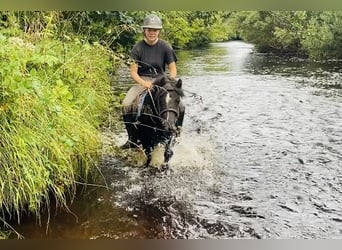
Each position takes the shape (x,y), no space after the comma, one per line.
(150,56)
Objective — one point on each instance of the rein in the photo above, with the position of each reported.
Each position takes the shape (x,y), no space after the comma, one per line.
(160,113)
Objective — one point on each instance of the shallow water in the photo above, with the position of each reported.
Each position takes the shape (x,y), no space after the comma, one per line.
(259,157)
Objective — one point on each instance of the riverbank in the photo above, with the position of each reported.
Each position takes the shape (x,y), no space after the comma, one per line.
(55,96)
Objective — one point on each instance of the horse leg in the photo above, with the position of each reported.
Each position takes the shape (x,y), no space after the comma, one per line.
(132,131)
(167,155)
(165,165)
(148,156)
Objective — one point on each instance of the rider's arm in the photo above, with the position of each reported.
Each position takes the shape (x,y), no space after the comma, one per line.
(137,78)
(172,69)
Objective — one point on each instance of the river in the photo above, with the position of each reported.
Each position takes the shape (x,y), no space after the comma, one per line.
(259,157)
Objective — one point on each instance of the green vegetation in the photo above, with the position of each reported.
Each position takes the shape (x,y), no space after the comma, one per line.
(313,34)
(56,88)
(192,29)
(54,97)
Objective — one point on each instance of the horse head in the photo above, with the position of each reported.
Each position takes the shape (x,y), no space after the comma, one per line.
(169,101)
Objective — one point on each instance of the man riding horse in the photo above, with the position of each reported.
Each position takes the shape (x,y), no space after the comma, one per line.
(150,56)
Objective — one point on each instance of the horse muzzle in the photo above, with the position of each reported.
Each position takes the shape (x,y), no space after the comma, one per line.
(170,127)
(170,117)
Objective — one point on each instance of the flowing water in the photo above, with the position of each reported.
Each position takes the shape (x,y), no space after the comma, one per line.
(259,157)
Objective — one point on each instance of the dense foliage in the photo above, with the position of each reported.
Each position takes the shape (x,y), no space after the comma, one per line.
(314,34)
(54,96)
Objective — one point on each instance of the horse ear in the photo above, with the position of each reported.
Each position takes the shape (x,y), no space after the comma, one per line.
(179,83)
(160,81)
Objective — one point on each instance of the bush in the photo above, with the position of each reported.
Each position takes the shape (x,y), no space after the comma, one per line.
(53,98)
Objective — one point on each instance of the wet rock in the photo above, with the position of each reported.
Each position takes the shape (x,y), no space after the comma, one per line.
(246,211)
(337,219)
(288,208)
(300,160)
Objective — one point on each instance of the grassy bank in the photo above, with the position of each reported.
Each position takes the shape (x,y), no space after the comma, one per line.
(53,98)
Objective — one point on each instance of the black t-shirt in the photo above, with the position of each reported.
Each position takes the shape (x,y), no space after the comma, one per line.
(151,60)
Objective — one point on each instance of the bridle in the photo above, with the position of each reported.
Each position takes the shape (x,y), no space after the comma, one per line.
(169,110)
(165,110)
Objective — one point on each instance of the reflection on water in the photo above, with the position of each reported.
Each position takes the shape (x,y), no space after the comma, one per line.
(221,58)
(259,157)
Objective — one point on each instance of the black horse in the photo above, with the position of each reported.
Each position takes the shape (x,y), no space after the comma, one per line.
(157,116)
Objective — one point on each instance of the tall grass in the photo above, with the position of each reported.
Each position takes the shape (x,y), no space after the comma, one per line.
(53,98)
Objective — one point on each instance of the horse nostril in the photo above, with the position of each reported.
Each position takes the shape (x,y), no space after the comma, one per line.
(173,128)
(166,125)
(169,126)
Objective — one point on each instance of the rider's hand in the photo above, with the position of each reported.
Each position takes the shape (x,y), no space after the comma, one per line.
(147,84)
